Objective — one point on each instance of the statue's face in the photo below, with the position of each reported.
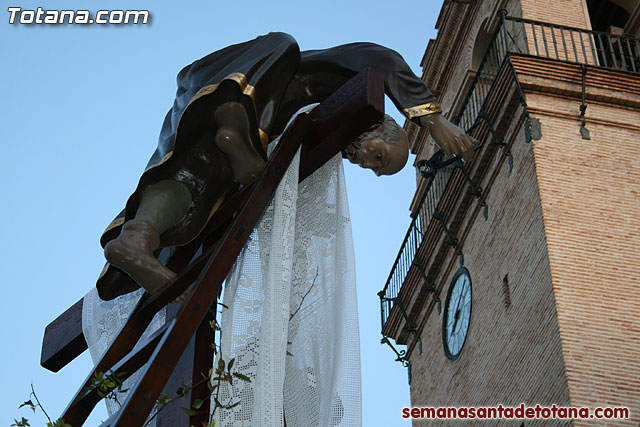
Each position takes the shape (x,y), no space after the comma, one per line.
(382,157)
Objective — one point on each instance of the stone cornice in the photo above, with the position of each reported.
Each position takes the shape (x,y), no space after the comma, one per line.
(441,56)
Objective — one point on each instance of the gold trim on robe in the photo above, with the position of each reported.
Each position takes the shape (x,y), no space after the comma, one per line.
(239,78)
(202,92)
(264,139)
(246,89)
(422,110)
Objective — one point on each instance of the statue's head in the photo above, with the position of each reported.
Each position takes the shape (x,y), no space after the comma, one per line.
(383,149)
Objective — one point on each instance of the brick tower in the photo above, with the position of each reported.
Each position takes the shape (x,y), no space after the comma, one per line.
(519,277)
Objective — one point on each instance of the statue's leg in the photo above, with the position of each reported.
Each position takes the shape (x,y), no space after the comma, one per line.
(232,138)
(162,205)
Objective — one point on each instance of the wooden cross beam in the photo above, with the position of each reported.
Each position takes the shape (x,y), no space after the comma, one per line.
(183,342)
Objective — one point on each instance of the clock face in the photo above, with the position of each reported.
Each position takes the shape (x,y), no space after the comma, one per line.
(457,314)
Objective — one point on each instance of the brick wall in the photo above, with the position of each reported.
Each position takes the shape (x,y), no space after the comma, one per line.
(512,355)
(590,192)
(564,227)
(572,13)
(451,78)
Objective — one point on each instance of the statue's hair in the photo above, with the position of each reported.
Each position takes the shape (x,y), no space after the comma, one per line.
(391,133)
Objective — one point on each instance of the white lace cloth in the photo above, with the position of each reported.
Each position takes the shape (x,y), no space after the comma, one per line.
(291,323)
(101,322)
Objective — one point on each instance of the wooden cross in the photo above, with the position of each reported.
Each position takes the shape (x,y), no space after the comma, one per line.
(183,343)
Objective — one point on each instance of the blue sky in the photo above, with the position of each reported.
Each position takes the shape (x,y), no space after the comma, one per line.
(81,109)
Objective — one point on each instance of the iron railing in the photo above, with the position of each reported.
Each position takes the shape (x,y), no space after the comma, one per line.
(504,41)
(478,92)
(593,48)
(513,35)
(413,239)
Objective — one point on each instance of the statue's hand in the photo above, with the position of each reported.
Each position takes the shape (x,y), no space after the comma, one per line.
(450,137)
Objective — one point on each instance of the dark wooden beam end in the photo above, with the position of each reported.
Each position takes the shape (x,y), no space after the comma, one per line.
(63,339)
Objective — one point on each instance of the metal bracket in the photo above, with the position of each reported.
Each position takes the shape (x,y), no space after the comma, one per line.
(428,286)
(584,132)
(400,354)
(411,326)
(497,139)
(475,191)
(451,241)
(429,168)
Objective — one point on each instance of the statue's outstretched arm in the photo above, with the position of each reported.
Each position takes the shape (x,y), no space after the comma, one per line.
(407,91)
(449,137)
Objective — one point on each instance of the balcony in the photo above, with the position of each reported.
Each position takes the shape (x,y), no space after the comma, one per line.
(513,37)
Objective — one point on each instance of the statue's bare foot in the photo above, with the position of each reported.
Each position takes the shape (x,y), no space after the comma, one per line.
(233,140)
(132,252)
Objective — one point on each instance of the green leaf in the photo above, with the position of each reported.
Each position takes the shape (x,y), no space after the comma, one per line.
(163,400)
(189,411)
(230,364)
(28,403)
(197,404)
(22,423)
(242,377)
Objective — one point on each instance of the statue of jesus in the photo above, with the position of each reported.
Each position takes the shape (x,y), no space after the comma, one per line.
(229,105)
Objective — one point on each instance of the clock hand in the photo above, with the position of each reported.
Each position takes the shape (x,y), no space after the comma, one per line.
(457,312)
(455,322)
